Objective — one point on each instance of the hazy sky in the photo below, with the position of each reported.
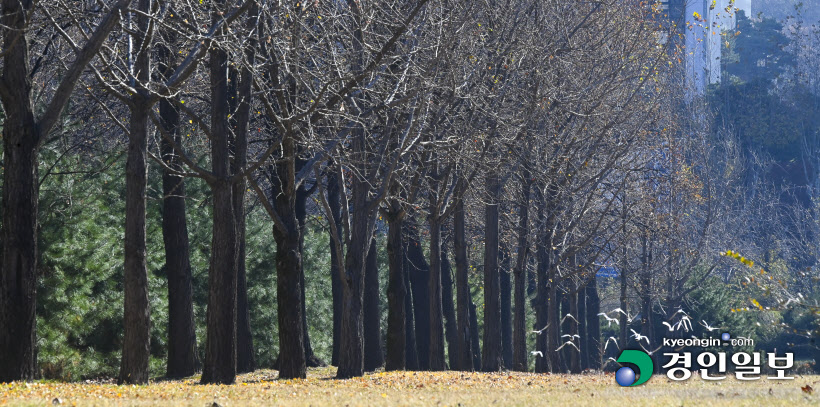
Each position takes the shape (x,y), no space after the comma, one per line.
(745,5)
(780,9)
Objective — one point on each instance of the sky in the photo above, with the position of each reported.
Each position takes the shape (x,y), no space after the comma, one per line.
(745,5)
(780,9)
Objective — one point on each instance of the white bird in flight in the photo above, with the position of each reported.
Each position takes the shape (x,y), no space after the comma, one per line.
(684,322)
(650,352)
(638,337)
(568,316)
(611,338)
(706,325)
(571,343)
(609,319)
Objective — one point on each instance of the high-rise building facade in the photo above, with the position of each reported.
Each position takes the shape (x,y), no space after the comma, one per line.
(696,28)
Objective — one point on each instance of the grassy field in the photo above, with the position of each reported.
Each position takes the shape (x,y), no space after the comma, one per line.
(419,388)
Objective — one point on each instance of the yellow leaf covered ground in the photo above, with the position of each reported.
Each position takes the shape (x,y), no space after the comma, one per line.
(418,388)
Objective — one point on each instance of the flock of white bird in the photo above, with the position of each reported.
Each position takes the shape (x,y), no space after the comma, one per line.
(683,323)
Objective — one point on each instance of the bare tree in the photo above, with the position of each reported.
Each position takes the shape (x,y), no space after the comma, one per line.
(23,136)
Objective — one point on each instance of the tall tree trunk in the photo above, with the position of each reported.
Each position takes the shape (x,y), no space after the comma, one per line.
(593,323)
(373,356)
(419,274)
(18,291)
(450,325)
(519,340)
(463,298)
(436,356)
(583,341)
(22,137)
(302,195)
(647,320)
(474,344)
(566,326)
(491,353)
(240,102)
(220,345)
(288,235)
(411,350)
(623,299)
(362,224)
(396,290)
(291,361)
(541,303)
(18,285)
(334,204)
(550,278)
(624,304)
(351,352)
(573,331)
(506,309)
(183,359)
(311,360)
(245,354)
(553,320)
(136,344)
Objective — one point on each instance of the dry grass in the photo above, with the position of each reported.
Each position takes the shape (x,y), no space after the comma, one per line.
(419,388)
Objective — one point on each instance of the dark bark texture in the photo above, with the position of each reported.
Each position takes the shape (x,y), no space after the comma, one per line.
(302,194)
(373,355)
(574,352)
(541,302)
(583,341)
(491,353)
(240,102)
(419,273)
(396,358)
(136,345)
(183,359)
(450,324)
(136,318)
(519,340)
(463,299)
(18,286)
(220,345)
(505,283)
(351,351)
(410,346)
(291,362)
(474,338)
(593,307)
(336,289)
(288,236)
(436,356)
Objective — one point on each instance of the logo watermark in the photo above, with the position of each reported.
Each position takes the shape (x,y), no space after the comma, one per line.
(709,365)
(625,376)
(724,340)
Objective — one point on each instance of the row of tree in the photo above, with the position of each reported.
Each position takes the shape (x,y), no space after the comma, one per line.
(547,130)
